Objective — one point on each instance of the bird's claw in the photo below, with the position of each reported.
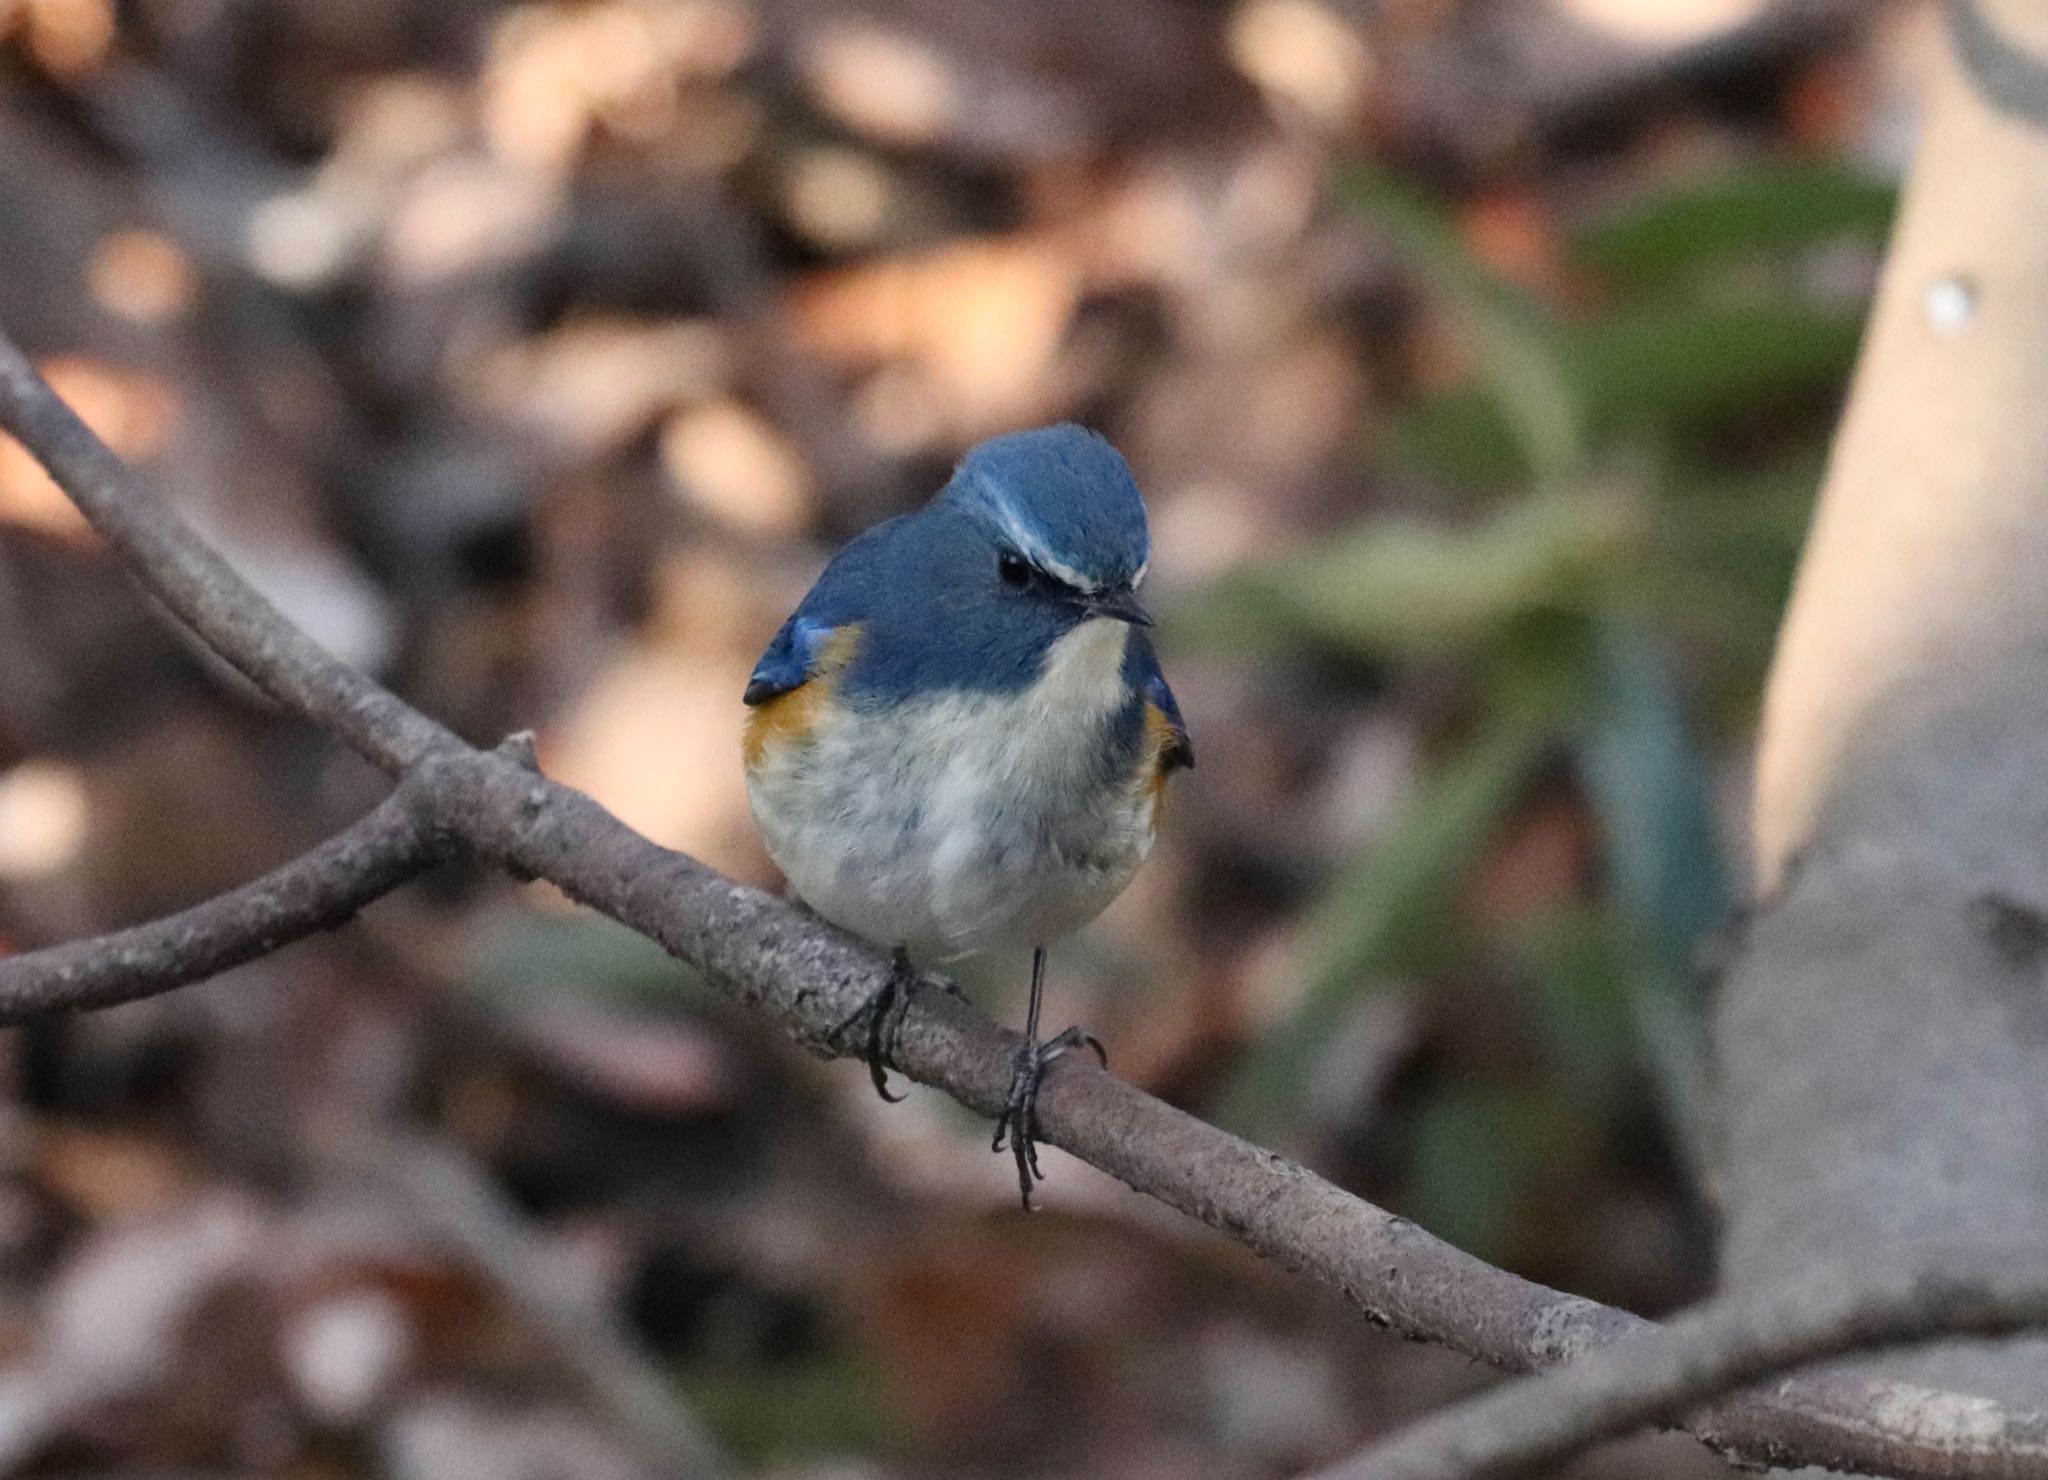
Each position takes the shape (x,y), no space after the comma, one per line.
(1018,1125)
(883,1015)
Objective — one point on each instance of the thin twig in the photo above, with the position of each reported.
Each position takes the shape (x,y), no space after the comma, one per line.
(1539,1421)
(318,890)
(799,972)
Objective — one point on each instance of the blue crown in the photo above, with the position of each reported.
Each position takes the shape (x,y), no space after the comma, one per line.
(1063,498)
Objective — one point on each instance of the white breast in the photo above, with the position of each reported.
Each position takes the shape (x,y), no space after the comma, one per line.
(966,822)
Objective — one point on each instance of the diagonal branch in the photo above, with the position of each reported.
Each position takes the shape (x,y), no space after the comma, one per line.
(318,890)
(785,964)
(1543,1420)
(788,966)
(190,577)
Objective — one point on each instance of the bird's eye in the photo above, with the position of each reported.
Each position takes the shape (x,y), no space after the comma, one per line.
(1014,569)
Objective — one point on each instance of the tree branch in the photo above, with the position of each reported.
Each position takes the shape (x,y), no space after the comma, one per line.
(784,963)
(1878,1028)
(316,891)
(787,965)
(2008,76)
(190,577)
(1723,1345)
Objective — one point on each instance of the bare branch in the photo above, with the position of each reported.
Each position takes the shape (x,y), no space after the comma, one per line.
(318,890)
(784,963)
(1725,1344)
(202,589)
(790,967)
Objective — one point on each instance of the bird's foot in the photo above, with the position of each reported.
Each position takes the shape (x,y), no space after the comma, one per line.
(882,1016)
(1018,1124)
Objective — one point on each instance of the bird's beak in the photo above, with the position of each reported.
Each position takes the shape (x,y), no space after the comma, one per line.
(1118,606)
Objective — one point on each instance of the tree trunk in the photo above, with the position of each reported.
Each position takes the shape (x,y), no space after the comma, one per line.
(1883,1034)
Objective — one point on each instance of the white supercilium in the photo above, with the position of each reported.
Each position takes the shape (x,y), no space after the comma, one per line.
(1030,545)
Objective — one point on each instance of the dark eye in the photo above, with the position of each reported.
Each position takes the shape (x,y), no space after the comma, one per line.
(1014,569)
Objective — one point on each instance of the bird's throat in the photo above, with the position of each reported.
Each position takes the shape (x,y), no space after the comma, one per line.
(1083,672)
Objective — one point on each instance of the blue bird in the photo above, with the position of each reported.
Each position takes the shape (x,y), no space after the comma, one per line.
(959,741)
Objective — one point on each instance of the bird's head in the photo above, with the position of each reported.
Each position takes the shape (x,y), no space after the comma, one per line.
(1061,518)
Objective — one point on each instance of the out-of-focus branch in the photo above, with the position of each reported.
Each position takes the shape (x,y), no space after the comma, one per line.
(2008,77)
(1542,1420)
(315,891)
(808,977)
(449,1196)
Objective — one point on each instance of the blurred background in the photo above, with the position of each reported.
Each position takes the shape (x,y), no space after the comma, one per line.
(1478,361)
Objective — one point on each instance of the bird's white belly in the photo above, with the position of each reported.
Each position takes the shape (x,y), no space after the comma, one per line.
(958,824)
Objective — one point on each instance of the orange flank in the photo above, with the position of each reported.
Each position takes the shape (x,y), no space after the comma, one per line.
(788,718)
(1162,740)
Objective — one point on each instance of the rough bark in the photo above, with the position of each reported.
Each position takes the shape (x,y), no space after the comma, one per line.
(1883,1033)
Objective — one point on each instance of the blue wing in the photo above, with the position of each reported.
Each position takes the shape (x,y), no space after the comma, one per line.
(788,662)
(842,595)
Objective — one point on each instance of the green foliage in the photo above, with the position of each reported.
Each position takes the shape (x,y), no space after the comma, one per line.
(1634,521)
(1723,549)
(532,957)
(1580,962)
(1653,372)
(1402,587)
(1389,902)
(1476,1151)
(829,1404)
(1519,346)
(1779,209)
(1649,786)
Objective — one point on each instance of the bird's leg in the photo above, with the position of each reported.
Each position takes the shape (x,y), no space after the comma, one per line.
(1018,1123)
(883,1014)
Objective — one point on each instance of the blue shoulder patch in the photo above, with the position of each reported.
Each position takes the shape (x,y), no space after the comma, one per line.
(844,593)
(788,662)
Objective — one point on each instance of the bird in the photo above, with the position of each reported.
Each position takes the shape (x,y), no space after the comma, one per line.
(959,742)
